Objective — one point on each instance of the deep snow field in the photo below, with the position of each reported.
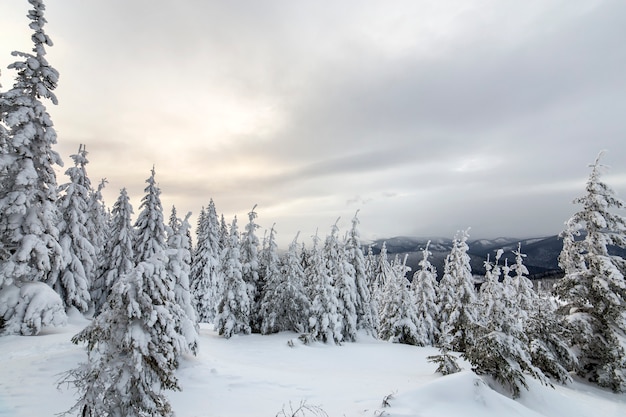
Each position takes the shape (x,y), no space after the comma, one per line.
(256,376)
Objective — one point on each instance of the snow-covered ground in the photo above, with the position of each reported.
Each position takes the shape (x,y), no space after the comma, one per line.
(262,375)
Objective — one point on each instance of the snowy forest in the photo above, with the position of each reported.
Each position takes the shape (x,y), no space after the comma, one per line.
(146,284)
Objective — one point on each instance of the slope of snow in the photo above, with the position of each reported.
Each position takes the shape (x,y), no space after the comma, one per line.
(262,375)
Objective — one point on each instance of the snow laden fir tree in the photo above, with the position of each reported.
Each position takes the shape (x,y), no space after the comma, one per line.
(285,305)
(206,272)
(593,291)
(73,280)
(118,255)
(233,310)
(457,298)
(499,345)
(135,343)
(424,289)
(342,279)
(30,253)
(398,315)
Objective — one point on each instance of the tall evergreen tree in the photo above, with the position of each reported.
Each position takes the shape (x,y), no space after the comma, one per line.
(398,316)
(342,278)
(548,335)
(150,226)
(424,289)
(100,219)
(593,290)
(250,269)
(199,277)
(457,295)
(135,343)
(99,234)
(370,273)
(224,234)
(324,320)
(4,139)
(73,281)
(178,269)
(500,347)
(271,307)
(523,287)
(29,246)
(118,256)
(366,313)
(381,274)
(285,305)
(206,269)
(233,310)
(546,332)
(151,250)
(28,213)
(133,348)
(216,255)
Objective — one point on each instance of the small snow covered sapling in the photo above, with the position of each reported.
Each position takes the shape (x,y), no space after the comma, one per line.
(447,363)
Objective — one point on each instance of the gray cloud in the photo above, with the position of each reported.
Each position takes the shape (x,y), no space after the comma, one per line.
(430,117)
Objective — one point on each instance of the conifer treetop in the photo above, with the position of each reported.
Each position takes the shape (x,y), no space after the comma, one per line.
(34,73)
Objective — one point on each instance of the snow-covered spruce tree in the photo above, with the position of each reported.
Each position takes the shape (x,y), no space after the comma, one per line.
(398,316)
(548,335)
(178,269)
(424,289)
(29,247)
(499,347)
(491,290)
(370,273)
(305,261)
(342,278)
(446,362)
(99,235)
(593,290)
(204,262)
(523,287)
(100,220)
(366,313)
(224,234)
(381,273)
(118,256)
(206,269)
(271,307)
(457,297)
(4,149)
(199,276)
(151,251)
(250,265)
(546,332)
(233,309)
(133,348)
(4,134)
(324,322)
(150,226)
(285,305)
(73,281)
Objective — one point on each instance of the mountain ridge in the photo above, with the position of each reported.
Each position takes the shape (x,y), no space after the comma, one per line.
(541,252)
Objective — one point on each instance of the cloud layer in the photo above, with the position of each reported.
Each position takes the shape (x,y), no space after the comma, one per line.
(427,116)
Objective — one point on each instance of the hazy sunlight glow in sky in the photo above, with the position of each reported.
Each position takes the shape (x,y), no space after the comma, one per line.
(426,116)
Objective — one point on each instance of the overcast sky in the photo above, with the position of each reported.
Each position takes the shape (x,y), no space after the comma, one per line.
(428,116)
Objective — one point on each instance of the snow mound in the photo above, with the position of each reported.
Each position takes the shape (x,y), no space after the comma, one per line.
(461,394)
(29,307)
